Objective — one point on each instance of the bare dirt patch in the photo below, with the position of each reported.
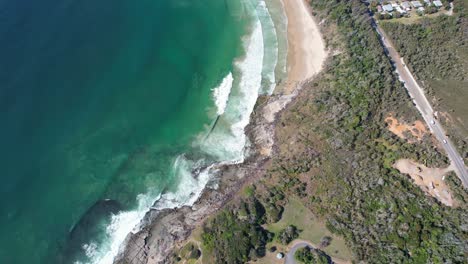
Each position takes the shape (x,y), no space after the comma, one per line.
(412,133)
(430,180)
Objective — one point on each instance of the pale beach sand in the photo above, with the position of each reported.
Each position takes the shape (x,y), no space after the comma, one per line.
(306,48)
(306,56)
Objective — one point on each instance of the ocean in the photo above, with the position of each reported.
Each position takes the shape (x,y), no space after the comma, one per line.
(107,107)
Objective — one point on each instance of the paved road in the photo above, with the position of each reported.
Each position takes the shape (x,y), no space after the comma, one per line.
(424,107)
(289,259)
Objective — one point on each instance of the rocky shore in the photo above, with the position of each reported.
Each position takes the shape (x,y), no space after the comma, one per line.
(166,228)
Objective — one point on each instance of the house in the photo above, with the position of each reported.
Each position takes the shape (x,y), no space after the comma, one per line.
(416,4)
(421,9)
(438,3)
(406,6)
(387,8)
(393,3)
(400,10)
(428,2)
(379,9)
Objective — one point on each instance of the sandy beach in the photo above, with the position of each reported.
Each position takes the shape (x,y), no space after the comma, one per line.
(306,48)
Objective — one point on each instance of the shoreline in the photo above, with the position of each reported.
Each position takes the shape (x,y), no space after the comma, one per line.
(165,229)
(306,47)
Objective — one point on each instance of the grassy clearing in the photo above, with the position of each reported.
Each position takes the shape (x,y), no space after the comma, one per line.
(453,96)
(295,213)
(206,255)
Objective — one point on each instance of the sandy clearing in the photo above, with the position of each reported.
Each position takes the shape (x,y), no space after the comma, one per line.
(430,180)
(417,129)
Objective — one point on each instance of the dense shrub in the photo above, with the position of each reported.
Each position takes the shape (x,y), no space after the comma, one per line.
(235,239)
(309,255)
(436,48)
(288,234)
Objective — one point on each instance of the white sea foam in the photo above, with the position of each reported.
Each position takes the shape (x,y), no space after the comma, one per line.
(270,40)
(228,140)
(121,225)
(226,144)
(189,189)
(221,93)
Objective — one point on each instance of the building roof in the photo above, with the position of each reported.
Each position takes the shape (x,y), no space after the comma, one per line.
(405,5)
(398,9)
(421,8)
(279,255)
(416,4)
(388,8)
(438,3)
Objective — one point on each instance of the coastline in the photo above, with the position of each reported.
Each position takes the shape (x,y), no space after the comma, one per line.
(167,228)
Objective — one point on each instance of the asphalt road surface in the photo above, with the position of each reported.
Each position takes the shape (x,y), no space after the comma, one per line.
(289,258)
(424,107)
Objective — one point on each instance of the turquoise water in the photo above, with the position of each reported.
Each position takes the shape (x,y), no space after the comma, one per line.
(98,100)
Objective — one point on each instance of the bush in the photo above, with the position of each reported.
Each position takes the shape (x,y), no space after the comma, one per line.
(189,251)
(432,48)
(288,234)
(274,213)
(309,255)
(325,241)
(237,240)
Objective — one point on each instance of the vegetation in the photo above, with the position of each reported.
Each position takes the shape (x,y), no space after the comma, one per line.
(459,192)
(311,228)
(309,255)
(190,251)
(344,153)
(288,234)
(325,241)
(436,50)
(235,235)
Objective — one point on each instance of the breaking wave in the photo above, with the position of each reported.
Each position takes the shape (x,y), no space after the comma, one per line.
(221,94)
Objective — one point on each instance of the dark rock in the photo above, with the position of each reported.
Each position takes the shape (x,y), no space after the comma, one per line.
(88,227)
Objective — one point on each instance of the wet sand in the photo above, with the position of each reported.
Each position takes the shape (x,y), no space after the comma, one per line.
(306,48)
